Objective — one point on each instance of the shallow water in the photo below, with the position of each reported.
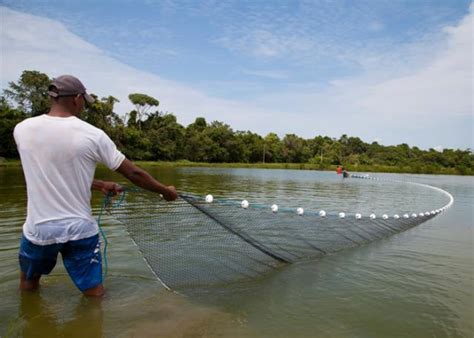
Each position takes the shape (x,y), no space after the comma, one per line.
(418,283)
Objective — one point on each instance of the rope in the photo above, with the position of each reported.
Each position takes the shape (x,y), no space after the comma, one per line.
(105,203)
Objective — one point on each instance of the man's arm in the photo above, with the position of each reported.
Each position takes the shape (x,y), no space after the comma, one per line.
(144,180)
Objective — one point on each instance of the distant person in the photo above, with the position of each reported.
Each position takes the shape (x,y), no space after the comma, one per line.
(339,170)
(59,153)
(345,173)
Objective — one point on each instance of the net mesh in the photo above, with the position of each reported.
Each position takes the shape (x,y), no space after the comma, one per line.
(189,242)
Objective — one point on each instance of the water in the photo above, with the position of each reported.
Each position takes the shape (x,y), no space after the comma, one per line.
(418,283)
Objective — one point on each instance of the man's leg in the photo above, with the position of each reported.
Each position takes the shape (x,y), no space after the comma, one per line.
(29,284)
(83,262)
(97,291)
(35,260)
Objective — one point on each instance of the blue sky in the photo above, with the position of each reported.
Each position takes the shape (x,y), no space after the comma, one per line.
(392,71)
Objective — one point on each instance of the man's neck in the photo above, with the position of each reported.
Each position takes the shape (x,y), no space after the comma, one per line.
(59,112)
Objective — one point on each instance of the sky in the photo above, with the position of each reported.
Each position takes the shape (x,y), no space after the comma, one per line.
(387,71)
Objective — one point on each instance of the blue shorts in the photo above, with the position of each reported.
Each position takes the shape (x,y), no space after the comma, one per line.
(82,260)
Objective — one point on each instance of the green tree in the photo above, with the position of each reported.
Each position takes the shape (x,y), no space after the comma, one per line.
(30,92)
(101,114)
(295,149)
(222,137)
(197,145)
(9,117)
(355,145)
(135,145)
(142,103)
(166,136)
(199,125)
(248,147)
(132,121)
(273,148)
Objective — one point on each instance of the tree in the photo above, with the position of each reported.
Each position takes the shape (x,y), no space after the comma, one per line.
(9,117)
(247,147)
(355,146)
(199,125)
(273,148)
(142,103)
(166,136)
(30,92)
(101,114)
(295,149)
(135,145)
(222,137)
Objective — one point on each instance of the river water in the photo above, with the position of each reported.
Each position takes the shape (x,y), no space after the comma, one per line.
(418,283)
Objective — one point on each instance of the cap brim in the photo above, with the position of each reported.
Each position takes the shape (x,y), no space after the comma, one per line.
(88,98)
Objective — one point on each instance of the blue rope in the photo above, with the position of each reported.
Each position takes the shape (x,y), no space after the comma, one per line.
(106,202)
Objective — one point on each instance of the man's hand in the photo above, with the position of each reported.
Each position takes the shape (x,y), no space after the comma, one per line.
(170,194)
(111,188)
(107,187)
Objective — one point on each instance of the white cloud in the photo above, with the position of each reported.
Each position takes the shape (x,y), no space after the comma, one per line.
(442,88)
(264,43)
(47,46)
(432,102)
(425,105)
(270,74)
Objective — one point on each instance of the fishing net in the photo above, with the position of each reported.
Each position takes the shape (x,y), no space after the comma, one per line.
(194,242)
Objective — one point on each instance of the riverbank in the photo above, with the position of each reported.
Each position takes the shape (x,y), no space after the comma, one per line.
(296,166)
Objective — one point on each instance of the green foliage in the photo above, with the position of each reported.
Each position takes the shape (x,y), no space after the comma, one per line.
(9,117)
(142,103)
(142,100)
(295,149)
(248,147)
(166,136)
(273,148)
(101,113)
(30,92)
(158,136)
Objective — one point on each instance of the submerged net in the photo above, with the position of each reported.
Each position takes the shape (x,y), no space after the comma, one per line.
(191,242)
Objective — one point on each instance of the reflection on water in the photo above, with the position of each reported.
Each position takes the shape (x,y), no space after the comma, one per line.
(415,284)
(41,318)
(163,314)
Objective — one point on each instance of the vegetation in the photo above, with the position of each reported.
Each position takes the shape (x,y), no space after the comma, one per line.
(148,135)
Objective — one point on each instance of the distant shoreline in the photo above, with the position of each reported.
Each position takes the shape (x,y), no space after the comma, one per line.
(293,166)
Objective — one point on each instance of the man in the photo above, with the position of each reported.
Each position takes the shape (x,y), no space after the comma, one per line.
(59,153)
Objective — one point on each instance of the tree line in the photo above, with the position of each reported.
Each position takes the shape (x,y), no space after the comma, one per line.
(146,133)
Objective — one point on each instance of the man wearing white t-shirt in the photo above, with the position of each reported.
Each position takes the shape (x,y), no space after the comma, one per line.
(59,153)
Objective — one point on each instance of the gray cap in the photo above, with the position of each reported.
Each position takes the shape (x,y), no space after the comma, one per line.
(68,85)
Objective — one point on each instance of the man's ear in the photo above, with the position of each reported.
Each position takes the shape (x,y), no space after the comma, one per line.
(76,100)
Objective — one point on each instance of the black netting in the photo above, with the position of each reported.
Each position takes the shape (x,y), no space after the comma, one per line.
(189,242)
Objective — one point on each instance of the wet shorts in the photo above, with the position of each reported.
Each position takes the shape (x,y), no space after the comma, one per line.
(82,260)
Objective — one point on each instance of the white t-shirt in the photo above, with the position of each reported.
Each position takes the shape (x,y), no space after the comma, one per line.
(59,156)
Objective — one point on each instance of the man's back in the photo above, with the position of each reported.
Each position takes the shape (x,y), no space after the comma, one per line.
(59,153)
(59,156)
